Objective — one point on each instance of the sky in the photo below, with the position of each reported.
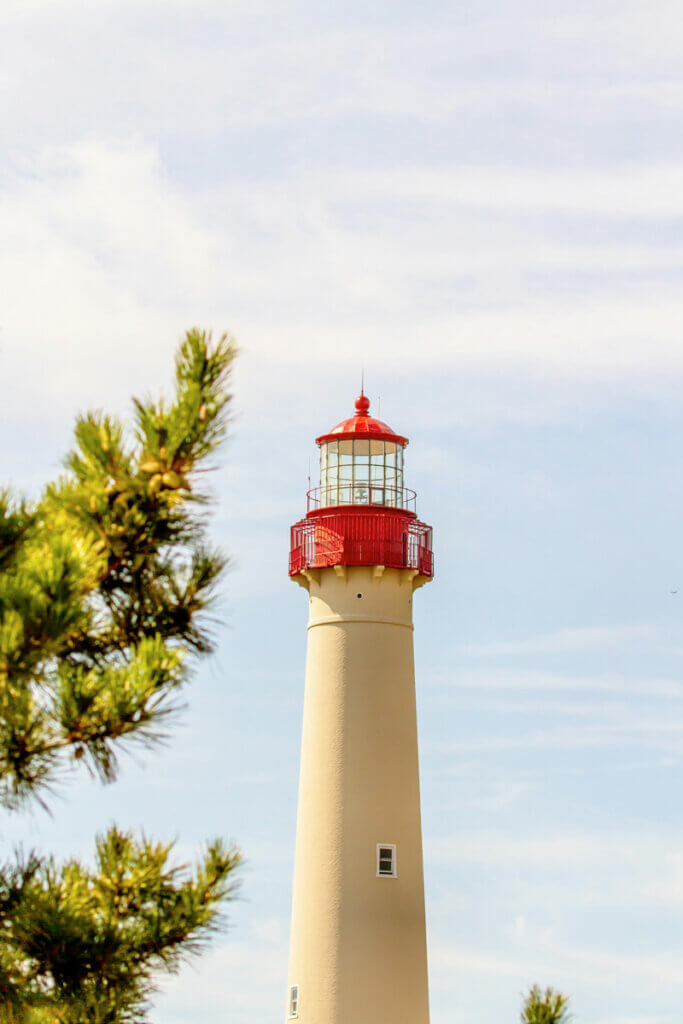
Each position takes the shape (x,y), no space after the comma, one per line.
(481,207)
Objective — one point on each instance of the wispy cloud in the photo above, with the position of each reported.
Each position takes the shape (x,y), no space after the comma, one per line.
(574,639)
(481,205)
(242,980)
(582,965)
(631,191)
(532,679)
(657,733)
(563,850)
(100,227)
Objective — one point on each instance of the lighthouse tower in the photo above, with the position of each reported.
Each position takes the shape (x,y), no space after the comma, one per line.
(358,950)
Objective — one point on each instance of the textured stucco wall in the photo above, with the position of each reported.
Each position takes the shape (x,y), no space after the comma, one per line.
(358,949)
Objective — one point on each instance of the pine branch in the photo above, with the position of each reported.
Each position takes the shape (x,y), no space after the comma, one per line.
(88,942)
(545,1007)
(105,585)
(106,580)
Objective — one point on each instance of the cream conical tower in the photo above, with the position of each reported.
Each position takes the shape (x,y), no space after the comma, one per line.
(358,950)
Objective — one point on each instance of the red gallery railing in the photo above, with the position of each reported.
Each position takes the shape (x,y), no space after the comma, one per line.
(354,535)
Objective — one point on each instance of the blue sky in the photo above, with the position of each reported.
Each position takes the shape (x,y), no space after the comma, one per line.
(482,207)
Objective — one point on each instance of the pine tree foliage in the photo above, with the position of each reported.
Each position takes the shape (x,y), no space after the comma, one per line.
(545,1007)
(105,584)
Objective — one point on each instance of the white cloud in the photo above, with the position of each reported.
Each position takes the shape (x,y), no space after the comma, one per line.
(105,260)
(633,190)
(636,1020)
(561,849)
(654,733)
(592,966)
(103,265)
(521,680)
(572,639)
(241,981)
(427,190)
(262,64)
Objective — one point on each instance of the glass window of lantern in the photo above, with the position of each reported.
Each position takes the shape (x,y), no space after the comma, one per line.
(377,460)
(390,465)
(361,472)
(361,462)
(377,472)
(328,473)
(346,453)
(329,492)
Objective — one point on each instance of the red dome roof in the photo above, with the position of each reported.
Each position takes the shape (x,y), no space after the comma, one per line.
(362,425)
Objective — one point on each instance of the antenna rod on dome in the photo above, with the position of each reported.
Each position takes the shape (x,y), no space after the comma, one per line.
(362,381)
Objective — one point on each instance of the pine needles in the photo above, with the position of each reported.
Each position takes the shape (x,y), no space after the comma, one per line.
(104,588)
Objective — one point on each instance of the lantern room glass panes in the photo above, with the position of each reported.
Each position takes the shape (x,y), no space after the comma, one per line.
(361,472)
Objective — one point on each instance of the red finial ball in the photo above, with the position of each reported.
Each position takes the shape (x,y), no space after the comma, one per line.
(362,405)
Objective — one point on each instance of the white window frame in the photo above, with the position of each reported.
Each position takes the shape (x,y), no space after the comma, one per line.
(385,874)
(293,1001)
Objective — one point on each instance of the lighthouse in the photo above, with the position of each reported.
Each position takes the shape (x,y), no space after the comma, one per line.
(358,952)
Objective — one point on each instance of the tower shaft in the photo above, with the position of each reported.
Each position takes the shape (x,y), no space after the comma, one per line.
(358,947)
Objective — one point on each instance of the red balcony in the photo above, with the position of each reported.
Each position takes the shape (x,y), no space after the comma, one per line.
(361,535)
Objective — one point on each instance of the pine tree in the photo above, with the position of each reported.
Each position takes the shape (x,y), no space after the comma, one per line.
(104,587)
(548,1007)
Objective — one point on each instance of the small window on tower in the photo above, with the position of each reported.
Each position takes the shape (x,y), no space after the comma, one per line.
(386,860)
(293,1001)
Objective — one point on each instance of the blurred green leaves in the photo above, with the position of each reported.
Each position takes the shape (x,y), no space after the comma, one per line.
(105,583)
(545,1007)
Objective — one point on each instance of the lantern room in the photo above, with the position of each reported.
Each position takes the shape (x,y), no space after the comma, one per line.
(361,514)
(361,463)
(361,472)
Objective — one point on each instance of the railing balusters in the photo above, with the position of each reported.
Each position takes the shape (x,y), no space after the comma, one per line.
(336,537)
